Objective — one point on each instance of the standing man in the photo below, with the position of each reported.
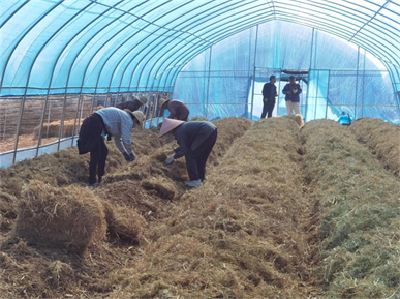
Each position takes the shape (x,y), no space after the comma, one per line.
(177,109)
(110,121)
(270,94)
(196,140)
(134,104)
(291,92)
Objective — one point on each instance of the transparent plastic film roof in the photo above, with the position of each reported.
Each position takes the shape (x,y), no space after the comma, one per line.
(82,46)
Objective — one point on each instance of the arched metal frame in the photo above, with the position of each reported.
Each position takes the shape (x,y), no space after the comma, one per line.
(187,29)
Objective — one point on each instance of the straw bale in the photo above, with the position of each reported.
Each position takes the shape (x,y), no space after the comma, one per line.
(359,212)
(53,129)
(69,217)
(382,139)
(239,234)
(123,223)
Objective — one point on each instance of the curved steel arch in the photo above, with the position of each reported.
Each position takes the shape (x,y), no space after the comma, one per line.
(23,36)
(213,20)
(176,37)
(111,79)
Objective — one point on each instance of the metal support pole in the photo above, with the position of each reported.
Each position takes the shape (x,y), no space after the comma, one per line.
(73,127)
(41,123)
(358,69)
(363,87)
(312,47)
(21,112)
(5,122)
(60,136)
(316,97)
(48,120)
(209,75)
(327,96)
(254,75)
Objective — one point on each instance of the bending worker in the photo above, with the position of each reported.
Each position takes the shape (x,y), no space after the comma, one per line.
(196,140)
(292,99)
(177,109)
(111,122)
(134,104)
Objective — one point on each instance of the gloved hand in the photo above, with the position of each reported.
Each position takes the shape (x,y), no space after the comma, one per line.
(170,160)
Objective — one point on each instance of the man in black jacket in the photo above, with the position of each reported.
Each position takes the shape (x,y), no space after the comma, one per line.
(270,94)
(196,140)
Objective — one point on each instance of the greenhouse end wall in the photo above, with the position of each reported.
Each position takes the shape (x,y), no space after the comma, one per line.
(340,77)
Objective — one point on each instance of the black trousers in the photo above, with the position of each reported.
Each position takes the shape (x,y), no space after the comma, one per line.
(90,140)
(196,160)
(268,108)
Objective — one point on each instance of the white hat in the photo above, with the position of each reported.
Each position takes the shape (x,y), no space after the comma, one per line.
(143,99)
(168,125)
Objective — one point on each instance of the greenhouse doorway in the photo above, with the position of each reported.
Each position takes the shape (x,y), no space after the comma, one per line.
(261,76)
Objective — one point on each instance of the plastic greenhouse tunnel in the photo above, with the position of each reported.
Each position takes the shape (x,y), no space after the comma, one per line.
(61,59)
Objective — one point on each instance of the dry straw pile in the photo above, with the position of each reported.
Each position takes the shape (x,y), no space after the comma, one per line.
(359,214)
(239,235)
(70,218)
(52,129)
(383,140)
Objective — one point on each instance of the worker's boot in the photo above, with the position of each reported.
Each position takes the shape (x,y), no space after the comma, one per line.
(195,183)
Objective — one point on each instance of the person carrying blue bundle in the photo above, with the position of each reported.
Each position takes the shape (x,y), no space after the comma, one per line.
(345,119)
(111,122)
(196,140)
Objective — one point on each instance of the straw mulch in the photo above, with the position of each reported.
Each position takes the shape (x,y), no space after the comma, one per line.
(383,140)
(51,130)
(239,235)
(359,214)
(199,118)
(130,204)
(69,218)
(123,223)
(297,118)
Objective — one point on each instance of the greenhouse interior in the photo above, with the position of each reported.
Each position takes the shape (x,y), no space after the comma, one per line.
(63,61)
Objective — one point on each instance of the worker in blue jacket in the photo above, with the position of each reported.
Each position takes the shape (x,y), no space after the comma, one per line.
(292,98)
(196,140)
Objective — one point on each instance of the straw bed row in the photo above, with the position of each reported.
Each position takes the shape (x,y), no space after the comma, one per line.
(237,236)
(359,214)
(382,139)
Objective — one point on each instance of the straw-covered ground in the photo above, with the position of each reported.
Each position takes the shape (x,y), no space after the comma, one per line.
(359,208)
(287,211)
(383,140)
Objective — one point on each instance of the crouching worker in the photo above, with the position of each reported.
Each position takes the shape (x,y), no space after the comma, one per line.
(196,140)
(110,122)
(177,109)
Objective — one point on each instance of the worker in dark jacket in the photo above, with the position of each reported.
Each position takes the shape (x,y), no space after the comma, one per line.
(270,94)
(134,104)
(177,109)
(292,98)
(103,122)
(196,140)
